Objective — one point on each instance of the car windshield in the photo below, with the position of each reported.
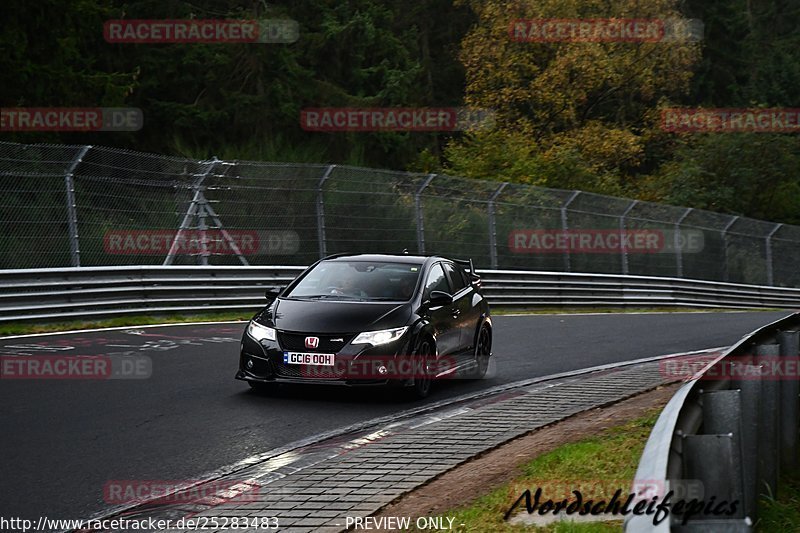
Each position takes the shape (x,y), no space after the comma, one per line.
(358,280)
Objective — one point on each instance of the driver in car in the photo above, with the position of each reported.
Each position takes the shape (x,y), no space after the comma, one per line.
(348,288)
(406,289)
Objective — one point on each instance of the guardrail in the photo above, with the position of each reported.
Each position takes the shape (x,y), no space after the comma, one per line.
(727,433)
(96,292)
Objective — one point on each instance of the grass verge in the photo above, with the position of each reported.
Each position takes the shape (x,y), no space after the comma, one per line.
(23,328)
(136,320)
(583,465)
(783,513)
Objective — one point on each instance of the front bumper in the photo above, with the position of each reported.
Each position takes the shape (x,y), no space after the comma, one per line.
(263,362)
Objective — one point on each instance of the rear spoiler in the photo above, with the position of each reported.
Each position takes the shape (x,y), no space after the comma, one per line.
(467,265)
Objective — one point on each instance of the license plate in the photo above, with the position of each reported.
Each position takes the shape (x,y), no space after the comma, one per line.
(298,358)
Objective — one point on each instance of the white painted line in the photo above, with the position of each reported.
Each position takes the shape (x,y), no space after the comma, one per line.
(284,455)
(117,328)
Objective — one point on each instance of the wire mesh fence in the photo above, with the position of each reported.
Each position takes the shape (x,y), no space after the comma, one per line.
(64,206)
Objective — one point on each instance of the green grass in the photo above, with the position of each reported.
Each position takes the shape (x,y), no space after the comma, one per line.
(608,460)
(136,320)
(783,513)
(22,328)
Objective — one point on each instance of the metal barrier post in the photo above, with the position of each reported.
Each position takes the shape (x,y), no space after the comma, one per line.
(72,213)
(790,408)
(623,252)
(768,427)
(565,228)
(727,273)
(493,226)
(751,398)
(677,239)
(418,214)
(722,415)
(321,212)
(721,476)
(768,255)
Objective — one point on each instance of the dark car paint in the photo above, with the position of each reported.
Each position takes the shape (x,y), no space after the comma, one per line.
(453,333)
(333,316)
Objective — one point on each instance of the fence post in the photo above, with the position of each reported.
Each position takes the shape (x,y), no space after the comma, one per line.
(72,212)
(770,273)
(419,215)
(493,226)
(565,228)
(726,274)
(623,252)
(677,243)
(321,212)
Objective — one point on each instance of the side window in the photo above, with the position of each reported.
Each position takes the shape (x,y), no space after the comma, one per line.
(455,277)
(436,281)
(466,277)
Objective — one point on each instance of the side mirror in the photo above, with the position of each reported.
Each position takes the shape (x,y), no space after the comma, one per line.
(440,298)
(273,292)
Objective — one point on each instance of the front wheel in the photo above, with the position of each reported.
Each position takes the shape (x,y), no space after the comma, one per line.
(422,381)
(483,351)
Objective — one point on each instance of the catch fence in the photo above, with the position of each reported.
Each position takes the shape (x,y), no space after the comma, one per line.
(64,206)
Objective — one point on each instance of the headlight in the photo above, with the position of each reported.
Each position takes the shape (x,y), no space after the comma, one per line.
(377,338)
(259,332)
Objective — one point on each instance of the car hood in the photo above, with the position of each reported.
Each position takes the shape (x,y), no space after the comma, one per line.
(333,316)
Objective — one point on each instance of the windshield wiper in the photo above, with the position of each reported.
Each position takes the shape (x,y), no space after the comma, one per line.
(326,296)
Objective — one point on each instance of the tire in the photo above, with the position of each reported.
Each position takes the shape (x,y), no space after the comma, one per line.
(422,386)
(483,352)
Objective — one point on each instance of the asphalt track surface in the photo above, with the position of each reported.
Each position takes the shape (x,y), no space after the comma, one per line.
(61,441)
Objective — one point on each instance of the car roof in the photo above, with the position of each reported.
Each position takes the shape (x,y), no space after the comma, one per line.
(394,258)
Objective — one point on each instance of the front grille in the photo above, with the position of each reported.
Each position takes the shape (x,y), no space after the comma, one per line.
(309,371)
(296,342)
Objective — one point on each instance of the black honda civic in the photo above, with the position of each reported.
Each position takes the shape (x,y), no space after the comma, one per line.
(400,320)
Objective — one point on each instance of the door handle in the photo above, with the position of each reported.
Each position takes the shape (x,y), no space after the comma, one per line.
(456,312)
